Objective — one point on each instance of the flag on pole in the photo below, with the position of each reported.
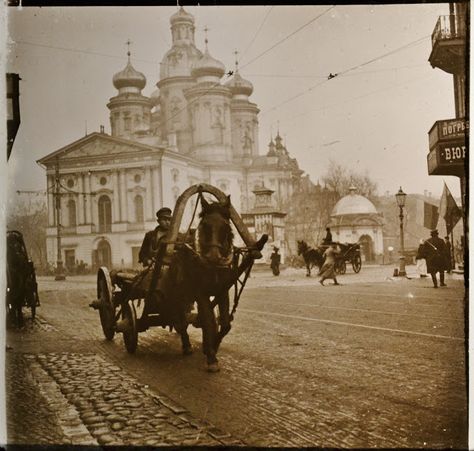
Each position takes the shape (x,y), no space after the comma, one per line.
(430,215)
(448,209)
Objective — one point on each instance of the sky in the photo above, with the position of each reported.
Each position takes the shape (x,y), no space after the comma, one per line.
(373,117)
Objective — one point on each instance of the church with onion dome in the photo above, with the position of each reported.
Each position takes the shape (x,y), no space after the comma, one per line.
(193,128)
(354,219)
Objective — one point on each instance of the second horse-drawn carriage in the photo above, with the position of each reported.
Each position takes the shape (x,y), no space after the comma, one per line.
(347,253)
(189,268)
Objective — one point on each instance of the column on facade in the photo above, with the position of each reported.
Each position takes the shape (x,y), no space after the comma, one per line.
(116,217)
(152,190)
(89,199)
(80,199)
(51,206)
(158,187)
(148,196)
(123,194)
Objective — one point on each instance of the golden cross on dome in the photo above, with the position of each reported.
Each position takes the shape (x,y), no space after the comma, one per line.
(205,34)
(128,48)
(236,53)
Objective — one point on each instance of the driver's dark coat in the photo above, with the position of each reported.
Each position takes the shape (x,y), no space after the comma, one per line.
(150,244)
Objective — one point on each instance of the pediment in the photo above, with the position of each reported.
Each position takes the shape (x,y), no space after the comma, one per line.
(96,146)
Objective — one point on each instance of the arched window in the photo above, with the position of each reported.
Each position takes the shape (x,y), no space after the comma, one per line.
(138,202)
(71,213)
(105,214)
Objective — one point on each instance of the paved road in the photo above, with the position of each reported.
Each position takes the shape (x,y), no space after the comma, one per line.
(376,362)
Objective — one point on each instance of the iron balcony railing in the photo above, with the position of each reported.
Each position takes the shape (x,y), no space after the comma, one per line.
(449,27)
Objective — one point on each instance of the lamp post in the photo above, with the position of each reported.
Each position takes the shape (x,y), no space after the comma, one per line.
(60,274)
(401,197)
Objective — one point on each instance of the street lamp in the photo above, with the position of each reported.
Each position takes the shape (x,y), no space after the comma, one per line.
(401,197)
(60,274)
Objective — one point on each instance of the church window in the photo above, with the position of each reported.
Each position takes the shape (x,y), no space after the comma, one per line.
(103,181)
(127,123)
(175,175)
(137,178)
(71,211)
(138,203)
(105,214)
(70,183)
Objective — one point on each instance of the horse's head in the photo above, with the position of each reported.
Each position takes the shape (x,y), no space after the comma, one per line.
(215,235)
(302,247)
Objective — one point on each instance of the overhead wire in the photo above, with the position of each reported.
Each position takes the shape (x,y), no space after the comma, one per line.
(344,72)
(314,19)
(257,33)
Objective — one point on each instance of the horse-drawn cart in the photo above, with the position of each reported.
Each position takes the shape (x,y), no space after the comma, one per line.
(182,274)
(349,253)
(22,288)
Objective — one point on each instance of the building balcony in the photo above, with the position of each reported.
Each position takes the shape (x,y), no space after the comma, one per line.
(448,42)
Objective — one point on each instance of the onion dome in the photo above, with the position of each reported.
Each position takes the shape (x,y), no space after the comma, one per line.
(271,149)
(155,97)
(239,85)
(129,77)
(181,16)
(353,204)
(208,65)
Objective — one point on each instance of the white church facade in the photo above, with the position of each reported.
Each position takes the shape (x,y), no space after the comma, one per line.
(194,128)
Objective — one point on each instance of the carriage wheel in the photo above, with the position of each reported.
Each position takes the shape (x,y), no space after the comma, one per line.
(130,333)
(356,263)
(106,308)
(34,302)
(341,267)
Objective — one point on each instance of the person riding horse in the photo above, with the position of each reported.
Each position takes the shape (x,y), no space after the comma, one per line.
(153,237)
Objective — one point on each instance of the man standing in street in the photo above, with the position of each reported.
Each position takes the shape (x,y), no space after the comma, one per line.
(152,238)
(275,261)
(435,250)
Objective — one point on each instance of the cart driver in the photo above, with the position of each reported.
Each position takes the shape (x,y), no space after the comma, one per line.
(153,237)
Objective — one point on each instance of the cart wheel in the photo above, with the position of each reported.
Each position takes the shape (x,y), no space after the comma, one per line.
(341,267)
(356,263)
(34,303)
(106,308)
(130,334)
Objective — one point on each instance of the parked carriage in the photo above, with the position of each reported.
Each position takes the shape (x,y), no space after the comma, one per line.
(22,288)
(180,276)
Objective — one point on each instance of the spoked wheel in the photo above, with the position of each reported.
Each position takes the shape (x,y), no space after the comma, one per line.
(356,263)
(130,331)
(340,267)
(106,306)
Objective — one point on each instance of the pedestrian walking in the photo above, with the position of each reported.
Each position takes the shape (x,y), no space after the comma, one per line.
(420,260)
(435,252)
(275,259)
(328,270)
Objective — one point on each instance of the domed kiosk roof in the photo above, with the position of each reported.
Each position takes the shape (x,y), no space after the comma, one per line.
(182,16)
(353,204)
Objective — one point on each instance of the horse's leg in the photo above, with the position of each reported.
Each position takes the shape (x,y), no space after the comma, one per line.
(209,332)
(18,311)
(224,318)
(308,270)
(181,326)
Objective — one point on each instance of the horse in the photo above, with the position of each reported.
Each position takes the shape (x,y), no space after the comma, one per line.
(198,273)
(312,257)
(17,274)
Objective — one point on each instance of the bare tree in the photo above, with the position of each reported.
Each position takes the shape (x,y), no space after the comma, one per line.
(339,179)
(30,217)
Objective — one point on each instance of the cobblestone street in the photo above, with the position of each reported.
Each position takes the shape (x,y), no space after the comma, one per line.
(375,363)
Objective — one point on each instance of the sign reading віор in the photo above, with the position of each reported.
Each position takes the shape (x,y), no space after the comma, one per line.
(447,140)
